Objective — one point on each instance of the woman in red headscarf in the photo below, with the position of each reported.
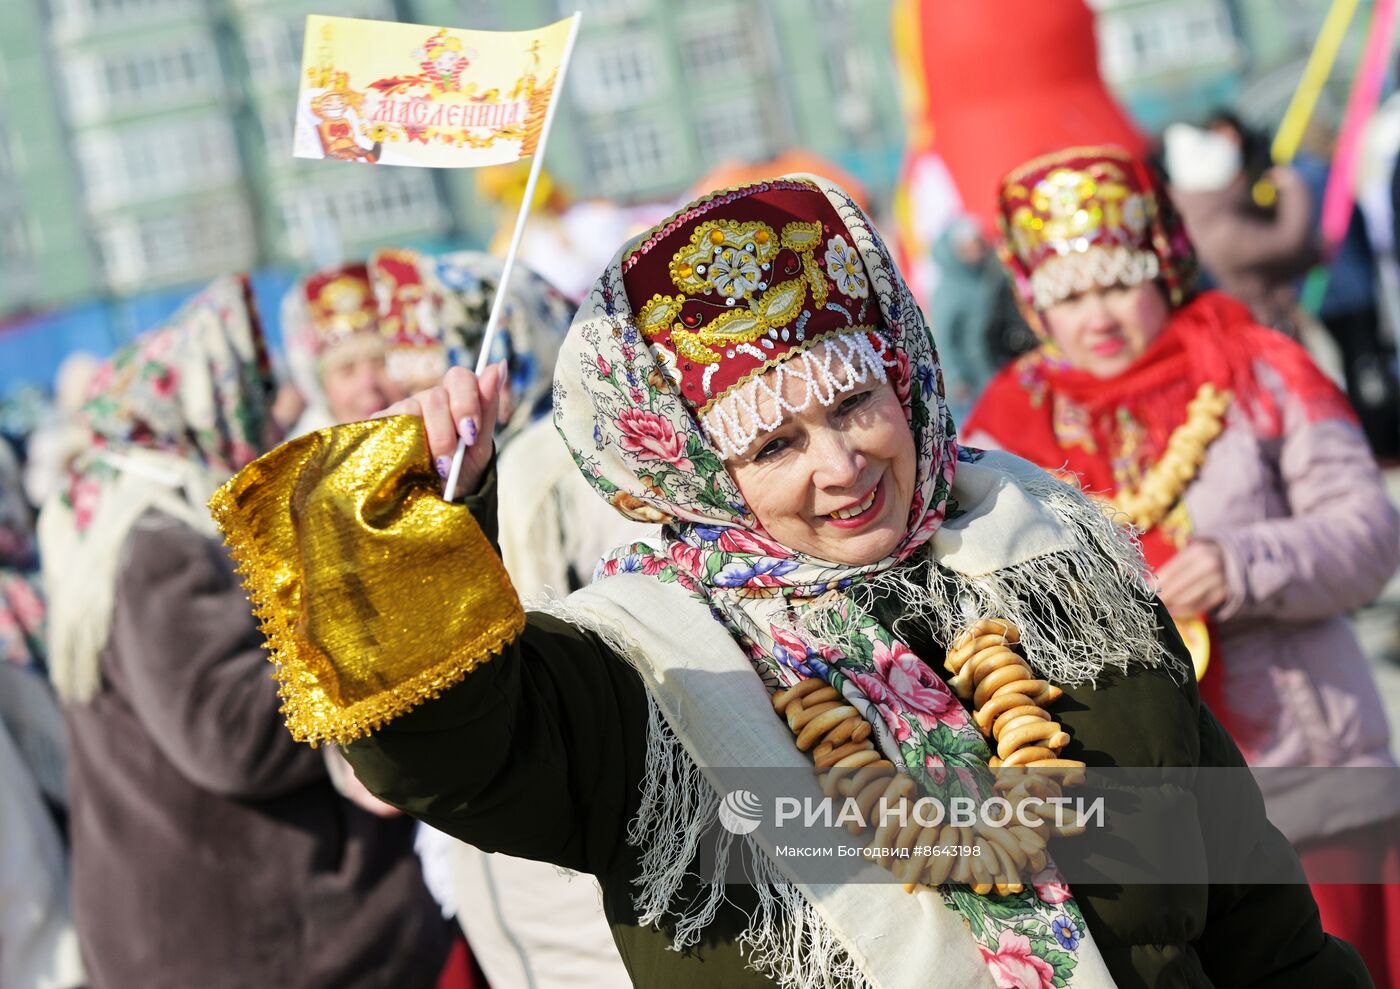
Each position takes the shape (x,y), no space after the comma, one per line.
(1261,510)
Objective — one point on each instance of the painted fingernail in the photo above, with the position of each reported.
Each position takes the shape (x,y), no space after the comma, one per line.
(444,467)
(467,429)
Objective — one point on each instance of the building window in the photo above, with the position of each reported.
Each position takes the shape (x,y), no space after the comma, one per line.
(599,11)
(725,51)
(640,154)
(72,19)
(16,239)
(853,80)
(167,73)
(1146,40)
(193,242)
(381,204)
(278,122)
(735,129)
(617,74)
(272,46)
(151,161)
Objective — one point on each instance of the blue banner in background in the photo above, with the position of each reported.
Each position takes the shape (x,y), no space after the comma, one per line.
(32,347)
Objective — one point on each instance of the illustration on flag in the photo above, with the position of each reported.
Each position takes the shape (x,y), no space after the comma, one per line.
(386,93)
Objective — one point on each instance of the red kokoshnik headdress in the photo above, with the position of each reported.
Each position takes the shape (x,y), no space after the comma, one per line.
(334,303)
(748,281)
(1086,218)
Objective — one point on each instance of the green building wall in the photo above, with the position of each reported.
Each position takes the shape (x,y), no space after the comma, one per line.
(50,261)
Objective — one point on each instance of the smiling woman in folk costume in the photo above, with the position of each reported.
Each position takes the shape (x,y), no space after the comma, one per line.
(755,372)
(1262,511)
(335,351)
(362,335)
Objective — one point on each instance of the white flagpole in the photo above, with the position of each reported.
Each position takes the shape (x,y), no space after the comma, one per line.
(536,164)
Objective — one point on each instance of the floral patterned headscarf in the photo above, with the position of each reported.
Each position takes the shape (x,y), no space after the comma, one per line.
(197,389)
(623,407)
(172,415)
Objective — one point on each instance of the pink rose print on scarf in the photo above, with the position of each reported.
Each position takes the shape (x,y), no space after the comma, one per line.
(1052,892)
(903,684)
(646,563)
(936,768)
(736,540)
(794,652)
(787,639)
(163,382)
(1014,966)
(84,495)
(156,346)
(688,558)
(651,437)
(901,377)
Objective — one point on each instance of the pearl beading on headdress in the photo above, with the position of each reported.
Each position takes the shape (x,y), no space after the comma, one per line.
(759,406)
(1057,278)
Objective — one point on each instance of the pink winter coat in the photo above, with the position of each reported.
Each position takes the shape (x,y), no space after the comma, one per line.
(1308,535)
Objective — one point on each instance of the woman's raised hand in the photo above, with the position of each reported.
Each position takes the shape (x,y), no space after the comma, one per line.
(463,405)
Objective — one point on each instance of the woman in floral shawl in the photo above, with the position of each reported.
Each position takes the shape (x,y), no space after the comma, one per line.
(207,849)
(1262,513)
(753,373)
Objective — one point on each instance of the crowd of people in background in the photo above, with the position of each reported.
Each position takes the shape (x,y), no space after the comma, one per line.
(161,829)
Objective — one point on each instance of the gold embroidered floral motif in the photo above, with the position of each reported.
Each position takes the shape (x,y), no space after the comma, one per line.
(658,314)
(1068,207)
(735,260)
(727,257)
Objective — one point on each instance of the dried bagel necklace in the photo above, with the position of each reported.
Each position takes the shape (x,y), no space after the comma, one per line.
(1161,488)
(1009,707)
(1156,500)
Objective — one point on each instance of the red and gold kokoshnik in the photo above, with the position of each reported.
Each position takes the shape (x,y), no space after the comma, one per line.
(1085,218)
(339,303)
(743,281)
